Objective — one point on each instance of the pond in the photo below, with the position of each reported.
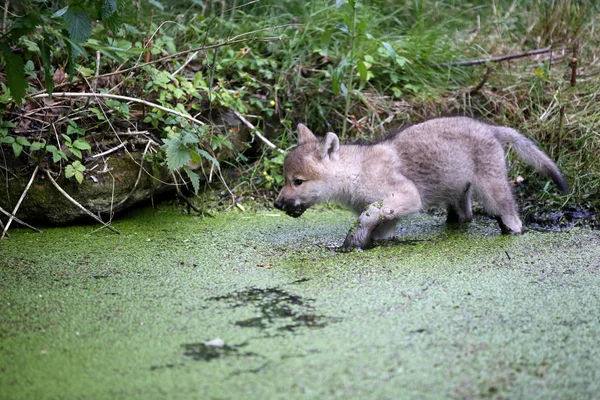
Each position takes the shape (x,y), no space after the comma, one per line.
(262,306)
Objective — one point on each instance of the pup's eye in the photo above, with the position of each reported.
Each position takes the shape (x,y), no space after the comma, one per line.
(298,182)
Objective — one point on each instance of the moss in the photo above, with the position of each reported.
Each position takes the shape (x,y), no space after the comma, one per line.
(435,313)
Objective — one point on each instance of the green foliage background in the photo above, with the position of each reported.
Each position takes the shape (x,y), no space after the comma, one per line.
(354,67)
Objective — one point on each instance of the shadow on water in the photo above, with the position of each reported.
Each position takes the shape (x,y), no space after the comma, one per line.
(278,309)
(206,352)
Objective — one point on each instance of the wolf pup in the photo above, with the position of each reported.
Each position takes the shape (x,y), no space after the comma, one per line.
(443,161)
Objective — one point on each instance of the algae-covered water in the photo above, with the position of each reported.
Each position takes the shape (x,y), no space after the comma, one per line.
(260,306)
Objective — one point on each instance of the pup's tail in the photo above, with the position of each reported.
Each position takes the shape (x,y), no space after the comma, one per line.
(532,155)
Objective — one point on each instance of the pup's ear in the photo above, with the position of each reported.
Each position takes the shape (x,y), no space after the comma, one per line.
(329,147)
(305,135)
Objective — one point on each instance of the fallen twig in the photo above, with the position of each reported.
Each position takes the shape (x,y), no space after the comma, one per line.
(256,132)
(2,210)
(110,150)
(486,76)
(117,97)
(72,200)
(20,201)
(502,58)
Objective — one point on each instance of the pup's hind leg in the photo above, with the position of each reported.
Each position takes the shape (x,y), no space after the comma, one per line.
(460,209)
(498,201)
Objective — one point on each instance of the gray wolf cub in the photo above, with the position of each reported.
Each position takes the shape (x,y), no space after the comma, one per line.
(443,161)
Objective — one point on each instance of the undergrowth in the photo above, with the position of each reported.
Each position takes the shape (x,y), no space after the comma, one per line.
(359,68)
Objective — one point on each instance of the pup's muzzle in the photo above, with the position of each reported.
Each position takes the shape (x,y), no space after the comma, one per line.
(289,207)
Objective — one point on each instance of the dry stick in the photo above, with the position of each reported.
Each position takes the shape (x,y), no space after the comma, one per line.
(256,132)
(2,210)
(574,64)
(20,200)
(486,76)
(502,58)
(187,61)
(118,97)
(2,227)
(110,150)
(72,200)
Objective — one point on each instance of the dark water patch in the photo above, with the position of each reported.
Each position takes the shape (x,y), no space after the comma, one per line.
(207,352)
(298,281)
(566,218)
(278,310)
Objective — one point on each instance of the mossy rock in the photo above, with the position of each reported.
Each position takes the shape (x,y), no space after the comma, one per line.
(108,187)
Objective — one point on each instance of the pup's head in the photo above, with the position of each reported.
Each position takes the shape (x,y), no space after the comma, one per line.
(306,172)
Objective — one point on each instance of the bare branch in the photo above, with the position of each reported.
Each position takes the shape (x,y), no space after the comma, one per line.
(502,58)
(256,132)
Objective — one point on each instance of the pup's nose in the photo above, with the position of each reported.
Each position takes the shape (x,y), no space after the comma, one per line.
(278,204)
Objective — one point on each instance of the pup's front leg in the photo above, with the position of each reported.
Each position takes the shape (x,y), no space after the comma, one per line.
(361,233)
(399,204)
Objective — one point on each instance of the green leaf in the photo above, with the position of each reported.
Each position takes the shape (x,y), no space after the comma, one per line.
(17,149)
(15,73)
(342,27)
(69,171)
(23,141)
(363,72)
(337,77)
(109,7)
(79,25)
(78,166)
(205,154)
(7,140)
(67,139)
(190,138)
(194,178)
(47,64)
(325,38)
(74,130)
(157,4)
(82,144)
(60,12)
(390,50)
(7,124)
(177,155)
(37,146)
(79,177)
(344,90)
